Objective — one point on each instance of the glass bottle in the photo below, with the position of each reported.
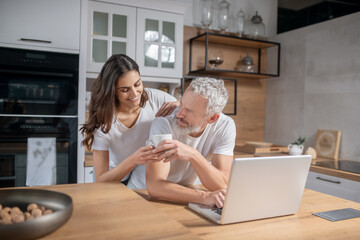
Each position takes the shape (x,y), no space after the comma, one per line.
(247,65)
(206,9)
(257,28)
(224,18)
(240,22)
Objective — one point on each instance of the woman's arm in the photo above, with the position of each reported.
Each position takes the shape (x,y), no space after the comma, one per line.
(101,164)
(167,108)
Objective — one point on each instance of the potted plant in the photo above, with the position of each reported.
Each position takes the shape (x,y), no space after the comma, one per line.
(297,147)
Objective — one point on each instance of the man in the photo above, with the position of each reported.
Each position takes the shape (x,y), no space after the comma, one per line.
(202,146)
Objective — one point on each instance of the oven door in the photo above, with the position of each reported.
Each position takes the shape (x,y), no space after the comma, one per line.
(32,92)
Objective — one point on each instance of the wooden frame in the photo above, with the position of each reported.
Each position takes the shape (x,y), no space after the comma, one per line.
(327,143)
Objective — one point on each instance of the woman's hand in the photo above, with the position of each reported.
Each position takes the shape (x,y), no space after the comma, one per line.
(143,155)
(167,108)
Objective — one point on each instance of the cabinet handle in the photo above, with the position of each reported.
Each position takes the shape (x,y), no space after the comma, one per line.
(328,180)
(34,40)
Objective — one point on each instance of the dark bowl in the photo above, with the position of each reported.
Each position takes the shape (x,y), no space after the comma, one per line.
(60,203)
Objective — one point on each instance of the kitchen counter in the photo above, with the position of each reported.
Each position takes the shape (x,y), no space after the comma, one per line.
(112,211)
(330,167)
(319,165)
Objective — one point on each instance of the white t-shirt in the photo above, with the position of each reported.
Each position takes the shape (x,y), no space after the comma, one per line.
(121,141)
(217,138)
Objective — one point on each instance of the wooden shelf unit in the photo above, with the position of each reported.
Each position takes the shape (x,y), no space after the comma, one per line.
(234,50)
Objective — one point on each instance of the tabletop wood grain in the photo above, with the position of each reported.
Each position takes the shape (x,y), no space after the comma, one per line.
(302,225)
(112,211)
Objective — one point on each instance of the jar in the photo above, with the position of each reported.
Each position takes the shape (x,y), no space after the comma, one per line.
(247,65)
(257,27)
(240,22)
(206,8)
(224,18)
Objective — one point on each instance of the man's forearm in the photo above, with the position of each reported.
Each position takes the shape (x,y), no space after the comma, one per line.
(211,177)
(168,191)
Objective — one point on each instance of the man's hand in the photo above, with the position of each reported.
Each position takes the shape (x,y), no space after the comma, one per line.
(215,198)
(167,108)
(173,149)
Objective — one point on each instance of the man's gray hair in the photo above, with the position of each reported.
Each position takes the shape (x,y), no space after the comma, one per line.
(213,90)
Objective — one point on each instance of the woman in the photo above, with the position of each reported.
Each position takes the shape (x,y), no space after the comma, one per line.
(120,115)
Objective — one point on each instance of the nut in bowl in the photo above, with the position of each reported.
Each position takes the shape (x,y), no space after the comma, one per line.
(34,223)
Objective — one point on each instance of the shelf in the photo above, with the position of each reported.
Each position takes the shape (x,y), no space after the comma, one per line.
(266,56)
(234,41)
(229,73)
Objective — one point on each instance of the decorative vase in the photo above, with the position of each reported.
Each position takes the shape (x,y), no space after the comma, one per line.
(224,11)
(257,27)
(295,149)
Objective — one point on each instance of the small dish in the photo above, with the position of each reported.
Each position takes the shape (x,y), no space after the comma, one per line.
(60,203)
(259,144)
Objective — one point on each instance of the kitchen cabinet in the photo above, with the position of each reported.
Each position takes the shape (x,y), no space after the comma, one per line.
(335,186)
(41,24)
(222,55)
(153,38)
(110,31)
(159,43)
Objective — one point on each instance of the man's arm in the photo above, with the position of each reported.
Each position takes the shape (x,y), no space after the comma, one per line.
(159,188)
(213,176)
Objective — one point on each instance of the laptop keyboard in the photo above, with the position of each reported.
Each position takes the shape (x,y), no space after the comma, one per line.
(217,210)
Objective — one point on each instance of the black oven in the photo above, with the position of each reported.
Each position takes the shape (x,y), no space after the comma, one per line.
(38,99)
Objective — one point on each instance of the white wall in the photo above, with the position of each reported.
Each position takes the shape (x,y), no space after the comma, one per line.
(319,85)
(267,9)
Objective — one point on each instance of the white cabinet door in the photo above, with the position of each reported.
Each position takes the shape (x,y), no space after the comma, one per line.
(111,30)
(159,44)
(41,24)
(335,186)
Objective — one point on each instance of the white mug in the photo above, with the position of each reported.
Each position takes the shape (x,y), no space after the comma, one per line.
(156,139)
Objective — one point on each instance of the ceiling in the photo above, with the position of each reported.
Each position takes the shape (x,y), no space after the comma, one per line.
(293,14)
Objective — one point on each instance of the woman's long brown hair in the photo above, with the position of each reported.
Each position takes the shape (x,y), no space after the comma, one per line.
(103,100)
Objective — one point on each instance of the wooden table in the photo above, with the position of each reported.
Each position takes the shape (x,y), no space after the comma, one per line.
(302,225)
(112,211)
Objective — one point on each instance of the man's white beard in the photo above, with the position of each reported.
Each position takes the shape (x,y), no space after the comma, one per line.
(184,130)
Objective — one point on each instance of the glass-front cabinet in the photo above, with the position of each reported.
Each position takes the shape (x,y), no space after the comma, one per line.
(159,44)
(111,30)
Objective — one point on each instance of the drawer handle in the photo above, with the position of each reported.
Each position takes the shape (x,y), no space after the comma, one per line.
(328,180)
(34,40)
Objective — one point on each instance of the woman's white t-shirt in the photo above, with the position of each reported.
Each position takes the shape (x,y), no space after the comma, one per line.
(121,141)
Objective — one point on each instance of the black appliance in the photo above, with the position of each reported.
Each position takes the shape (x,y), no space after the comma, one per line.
(38,98)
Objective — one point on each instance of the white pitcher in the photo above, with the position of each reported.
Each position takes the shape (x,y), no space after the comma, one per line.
(295,149)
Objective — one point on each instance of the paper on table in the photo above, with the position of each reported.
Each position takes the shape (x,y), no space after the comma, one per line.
(41,161)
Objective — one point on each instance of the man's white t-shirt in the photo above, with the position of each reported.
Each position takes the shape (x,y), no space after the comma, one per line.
(217,138)
(121,141)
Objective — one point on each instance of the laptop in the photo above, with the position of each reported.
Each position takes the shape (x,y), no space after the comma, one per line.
(261,187)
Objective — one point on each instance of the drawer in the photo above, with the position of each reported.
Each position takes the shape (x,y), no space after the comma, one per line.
(335,186)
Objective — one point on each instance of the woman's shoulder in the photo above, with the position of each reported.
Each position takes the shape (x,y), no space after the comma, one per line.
(156,94)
